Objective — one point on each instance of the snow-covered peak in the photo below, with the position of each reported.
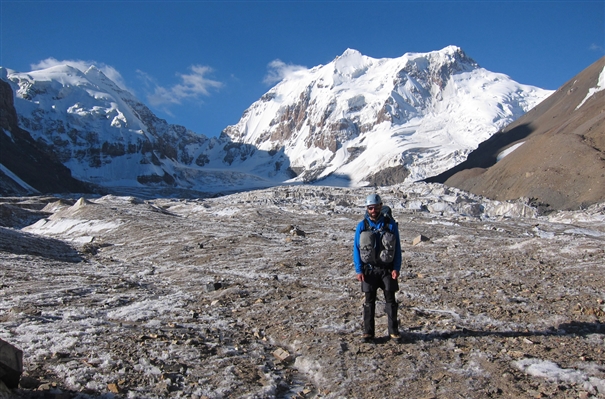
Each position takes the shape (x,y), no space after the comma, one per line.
(351,64)
(101,132)
(350,53)
(357,116)
(448,54)
(96,76)
(55,76)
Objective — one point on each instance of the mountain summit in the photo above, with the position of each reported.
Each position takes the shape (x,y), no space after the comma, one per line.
(353,122)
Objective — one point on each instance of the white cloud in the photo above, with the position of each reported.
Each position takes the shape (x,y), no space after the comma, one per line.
(597,48)
(192,86)
(83,66)
(279,70)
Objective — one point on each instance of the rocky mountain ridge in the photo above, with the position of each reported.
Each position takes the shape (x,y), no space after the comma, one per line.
(354,121)
(102,132)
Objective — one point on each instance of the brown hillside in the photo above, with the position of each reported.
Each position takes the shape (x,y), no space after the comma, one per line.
(562,159)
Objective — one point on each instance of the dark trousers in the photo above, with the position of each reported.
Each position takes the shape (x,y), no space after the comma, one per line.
(369,311)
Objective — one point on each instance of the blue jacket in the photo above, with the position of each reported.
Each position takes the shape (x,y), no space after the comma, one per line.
(376,225)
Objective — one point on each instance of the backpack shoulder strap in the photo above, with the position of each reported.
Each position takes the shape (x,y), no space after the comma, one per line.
(387,223)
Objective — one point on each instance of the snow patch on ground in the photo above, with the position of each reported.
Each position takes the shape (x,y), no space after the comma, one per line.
(552,371)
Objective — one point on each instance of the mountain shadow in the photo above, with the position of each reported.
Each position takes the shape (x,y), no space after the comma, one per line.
(486,155)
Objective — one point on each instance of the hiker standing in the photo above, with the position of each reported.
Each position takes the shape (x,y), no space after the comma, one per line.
(377,259)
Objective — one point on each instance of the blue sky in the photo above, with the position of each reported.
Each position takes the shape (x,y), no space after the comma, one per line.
(202,63)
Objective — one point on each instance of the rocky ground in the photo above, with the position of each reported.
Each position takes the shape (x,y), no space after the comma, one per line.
(253,295)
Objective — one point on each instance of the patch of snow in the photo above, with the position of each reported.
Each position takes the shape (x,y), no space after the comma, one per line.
(593,90)
(543,234)
(17,180)
(510,149)
(75,228)
(552,371)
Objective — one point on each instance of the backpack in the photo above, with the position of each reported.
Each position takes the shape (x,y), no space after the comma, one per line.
(381,240)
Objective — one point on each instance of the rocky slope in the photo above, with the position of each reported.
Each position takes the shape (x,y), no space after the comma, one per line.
(254,295)
(554,154)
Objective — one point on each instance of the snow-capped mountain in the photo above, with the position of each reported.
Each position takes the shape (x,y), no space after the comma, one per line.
(354,121)
(377,121)
(105,136)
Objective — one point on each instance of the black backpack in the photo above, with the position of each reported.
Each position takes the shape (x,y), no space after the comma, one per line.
(378,241)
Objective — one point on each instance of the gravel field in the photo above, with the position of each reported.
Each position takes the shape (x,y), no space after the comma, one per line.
(253,295)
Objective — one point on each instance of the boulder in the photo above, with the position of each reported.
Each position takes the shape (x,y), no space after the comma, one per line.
(418,239)
(11,364)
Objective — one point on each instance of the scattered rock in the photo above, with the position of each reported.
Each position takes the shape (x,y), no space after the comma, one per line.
(282,355)
(113,388)
(29,382)
(297,232)
(44,387)
(213,287)
(418,239)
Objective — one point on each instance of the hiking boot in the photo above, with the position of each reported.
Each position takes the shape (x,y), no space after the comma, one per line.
(395,336)
(367,337)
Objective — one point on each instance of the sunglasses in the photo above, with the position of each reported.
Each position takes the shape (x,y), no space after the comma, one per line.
(372,207)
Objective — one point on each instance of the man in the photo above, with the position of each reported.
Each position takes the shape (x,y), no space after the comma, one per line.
(377,259)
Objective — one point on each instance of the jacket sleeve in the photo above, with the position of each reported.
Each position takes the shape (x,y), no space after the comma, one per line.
(397,259)
(356,256)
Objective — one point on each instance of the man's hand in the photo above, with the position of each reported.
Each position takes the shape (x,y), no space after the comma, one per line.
(360,277)
(394,274)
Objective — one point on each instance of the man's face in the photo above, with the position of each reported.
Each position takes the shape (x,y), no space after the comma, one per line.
(374,211)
